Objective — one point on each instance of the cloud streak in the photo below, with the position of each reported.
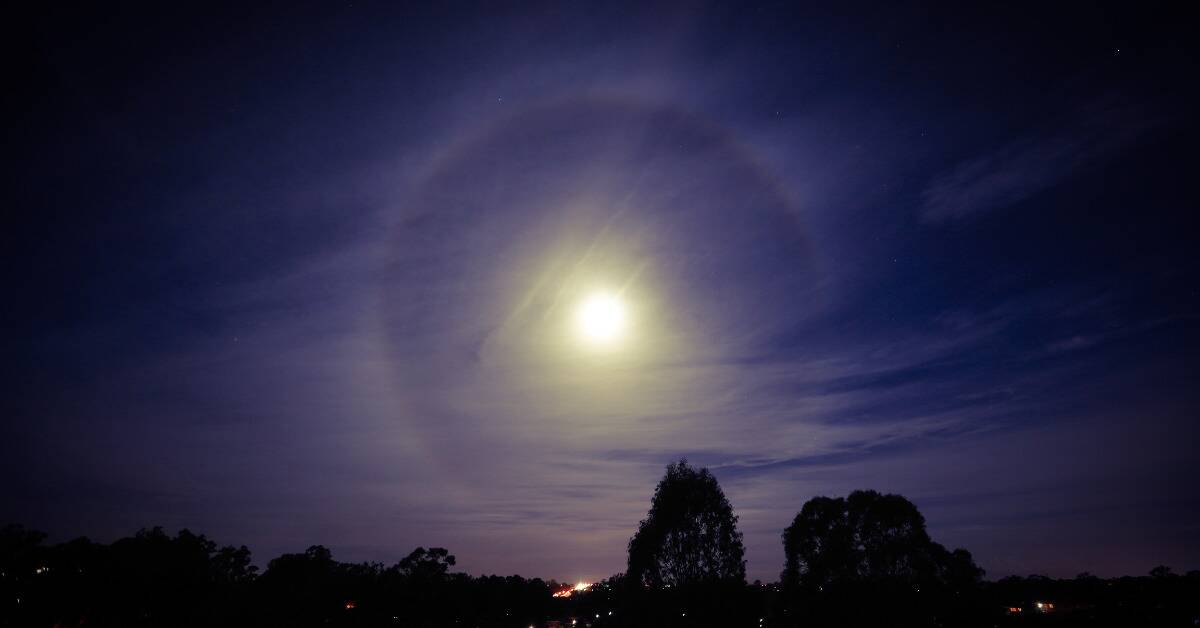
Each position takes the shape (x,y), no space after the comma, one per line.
(1033,163)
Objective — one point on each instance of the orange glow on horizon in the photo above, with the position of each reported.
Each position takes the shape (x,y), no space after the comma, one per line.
(568,590)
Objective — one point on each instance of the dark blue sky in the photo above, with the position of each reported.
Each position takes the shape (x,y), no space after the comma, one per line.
(305,275)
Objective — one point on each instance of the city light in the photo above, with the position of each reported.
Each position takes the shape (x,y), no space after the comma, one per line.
(569,590)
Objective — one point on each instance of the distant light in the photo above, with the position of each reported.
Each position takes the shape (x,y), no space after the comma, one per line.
(580,587)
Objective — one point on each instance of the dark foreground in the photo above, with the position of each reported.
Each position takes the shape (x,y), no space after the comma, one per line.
(152,579)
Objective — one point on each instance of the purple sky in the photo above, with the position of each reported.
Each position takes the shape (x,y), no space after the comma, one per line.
(308,278)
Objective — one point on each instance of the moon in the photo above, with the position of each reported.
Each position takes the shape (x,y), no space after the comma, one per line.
(601,318)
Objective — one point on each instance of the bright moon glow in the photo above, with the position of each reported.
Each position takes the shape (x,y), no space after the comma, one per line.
(601,318)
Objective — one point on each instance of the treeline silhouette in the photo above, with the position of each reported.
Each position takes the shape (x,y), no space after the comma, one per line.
(863,560)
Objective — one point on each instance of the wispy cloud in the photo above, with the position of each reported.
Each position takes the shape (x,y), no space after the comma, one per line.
(1033,163)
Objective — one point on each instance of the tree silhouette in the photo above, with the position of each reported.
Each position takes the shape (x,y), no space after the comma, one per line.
(426,564)
(422,576)
(868,537)
(1161,571)
(303,589)
(868,546)
(689,536)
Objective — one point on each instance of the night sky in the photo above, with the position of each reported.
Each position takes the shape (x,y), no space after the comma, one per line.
(307,275)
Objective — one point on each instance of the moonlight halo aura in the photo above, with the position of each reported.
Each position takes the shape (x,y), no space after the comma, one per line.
(496,257)
(380,276)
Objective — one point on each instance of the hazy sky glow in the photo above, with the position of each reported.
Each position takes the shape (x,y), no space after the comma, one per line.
(315,278)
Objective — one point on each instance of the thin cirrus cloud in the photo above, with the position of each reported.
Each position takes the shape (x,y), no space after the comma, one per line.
(1033,163)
